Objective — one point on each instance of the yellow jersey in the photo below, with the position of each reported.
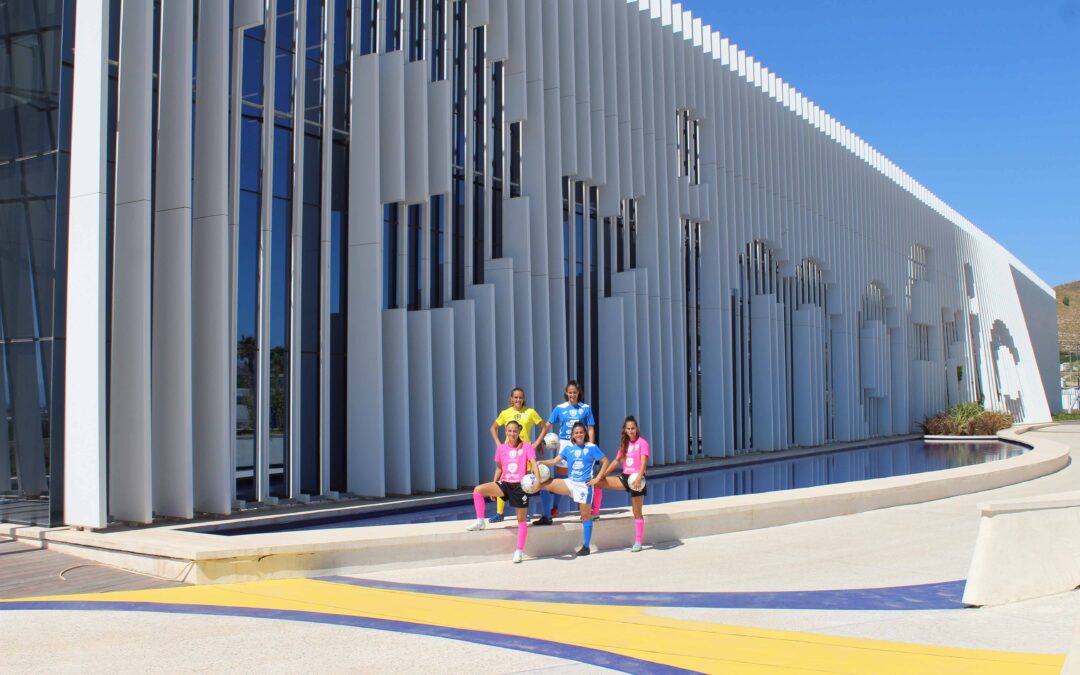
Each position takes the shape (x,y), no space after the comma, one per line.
(526,417)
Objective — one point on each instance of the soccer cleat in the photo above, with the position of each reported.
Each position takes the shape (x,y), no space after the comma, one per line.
(518,556)
(497,518)
(584,550)
(596,516)
(478,525)
(542,520)
(635,548)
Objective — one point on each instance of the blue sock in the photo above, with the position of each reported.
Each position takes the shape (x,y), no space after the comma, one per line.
(588,532)
(545,503)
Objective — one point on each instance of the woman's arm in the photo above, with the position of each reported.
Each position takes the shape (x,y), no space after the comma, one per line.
(604,465)
(610,466)
(592,434)
(495,432)
(498,474)
(544,427)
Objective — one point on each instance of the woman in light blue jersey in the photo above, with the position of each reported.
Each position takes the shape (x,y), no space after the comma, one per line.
(580,458)
(563,417)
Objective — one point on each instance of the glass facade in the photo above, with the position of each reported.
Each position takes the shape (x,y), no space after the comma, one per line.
(35,108)
(457,221)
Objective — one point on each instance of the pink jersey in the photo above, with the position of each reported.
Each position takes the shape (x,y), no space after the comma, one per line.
(636,454)
(514,461)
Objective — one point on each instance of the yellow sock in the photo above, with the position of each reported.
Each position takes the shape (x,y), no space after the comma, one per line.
(500,505)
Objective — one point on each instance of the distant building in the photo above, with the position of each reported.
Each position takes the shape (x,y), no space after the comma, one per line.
(311,251)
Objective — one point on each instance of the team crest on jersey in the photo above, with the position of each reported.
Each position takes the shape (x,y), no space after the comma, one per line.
(512,467)
(577,453)
(629,461)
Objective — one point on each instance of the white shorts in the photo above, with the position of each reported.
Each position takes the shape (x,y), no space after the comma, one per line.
(581,493)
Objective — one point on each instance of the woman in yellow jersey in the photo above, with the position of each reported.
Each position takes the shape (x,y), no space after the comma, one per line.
(523,415)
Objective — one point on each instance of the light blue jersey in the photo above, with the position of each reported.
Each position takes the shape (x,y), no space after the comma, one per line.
(564,416)
(579,461)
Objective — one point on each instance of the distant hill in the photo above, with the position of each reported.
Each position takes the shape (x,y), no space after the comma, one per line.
(1068,315)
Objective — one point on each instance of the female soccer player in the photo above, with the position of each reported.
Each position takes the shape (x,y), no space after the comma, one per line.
(512,460)
(525,416)
(579,482)
(564,416)
(634,455)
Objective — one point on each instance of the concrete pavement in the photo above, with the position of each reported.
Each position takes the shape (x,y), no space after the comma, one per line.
(369,625)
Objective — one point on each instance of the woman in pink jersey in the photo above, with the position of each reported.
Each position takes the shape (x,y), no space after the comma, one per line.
(634,455)
(513,460)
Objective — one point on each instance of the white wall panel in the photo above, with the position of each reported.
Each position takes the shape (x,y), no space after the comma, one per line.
(444,411)
(421,402)
(212,432)
(416,131)
(84,392)
(171,403)
(465,383)
(130,469)
(397,420)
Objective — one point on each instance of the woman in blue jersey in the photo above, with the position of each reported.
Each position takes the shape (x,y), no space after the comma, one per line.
(563,417)
(579,457)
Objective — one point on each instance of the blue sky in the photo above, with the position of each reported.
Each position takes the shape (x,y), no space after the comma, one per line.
(978,100)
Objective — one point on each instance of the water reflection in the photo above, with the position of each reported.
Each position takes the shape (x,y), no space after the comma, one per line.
(880,461)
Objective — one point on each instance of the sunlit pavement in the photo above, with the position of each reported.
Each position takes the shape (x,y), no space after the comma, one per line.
(872,593)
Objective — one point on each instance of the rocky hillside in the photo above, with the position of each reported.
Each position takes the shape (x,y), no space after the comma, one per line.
(1068,314)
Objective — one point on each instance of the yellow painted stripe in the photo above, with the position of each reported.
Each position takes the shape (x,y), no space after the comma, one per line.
(628,631)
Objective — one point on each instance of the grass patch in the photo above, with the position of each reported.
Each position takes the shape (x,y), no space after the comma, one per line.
(1067,417)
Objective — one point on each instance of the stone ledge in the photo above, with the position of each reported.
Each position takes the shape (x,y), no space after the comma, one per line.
(197,557)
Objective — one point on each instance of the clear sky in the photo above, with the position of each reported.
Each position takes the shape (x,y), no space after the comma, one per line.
(979,100)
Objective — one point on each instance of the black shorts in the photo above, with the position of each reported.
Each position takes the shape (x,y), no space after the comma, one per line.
(625,478)
(513,493)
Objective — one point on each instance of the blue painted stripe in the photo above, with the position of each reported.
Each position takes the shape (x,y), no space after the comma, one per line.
(943,595)
(587,655)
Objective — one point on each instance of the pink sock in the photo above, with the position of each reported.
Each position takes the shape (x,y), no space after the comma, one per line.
(598,497)
(523,532)
(478,502)
(639,530)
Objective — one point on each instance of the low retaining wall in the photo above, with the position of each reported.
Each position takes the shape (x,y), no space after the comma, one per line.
(1026,548)
(196,557)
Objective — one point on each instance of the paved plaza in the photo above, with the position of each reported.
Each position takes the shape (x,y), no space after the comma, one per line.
(877,592)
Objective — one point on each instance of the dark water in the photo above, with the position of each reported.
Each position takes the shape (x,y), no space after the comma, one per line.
(843,466)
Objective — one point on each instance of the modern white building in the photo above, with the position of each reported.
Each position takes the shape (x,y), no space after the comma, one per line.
(268,250)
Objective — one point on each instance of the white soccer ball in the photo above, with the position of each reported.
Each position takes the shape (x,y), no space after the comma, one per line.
(551,441)
(637,482)
(545,472)
(529,484)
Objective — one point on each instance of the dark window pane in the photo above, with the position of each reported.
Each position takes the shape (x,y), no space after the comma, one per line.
(437,254)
